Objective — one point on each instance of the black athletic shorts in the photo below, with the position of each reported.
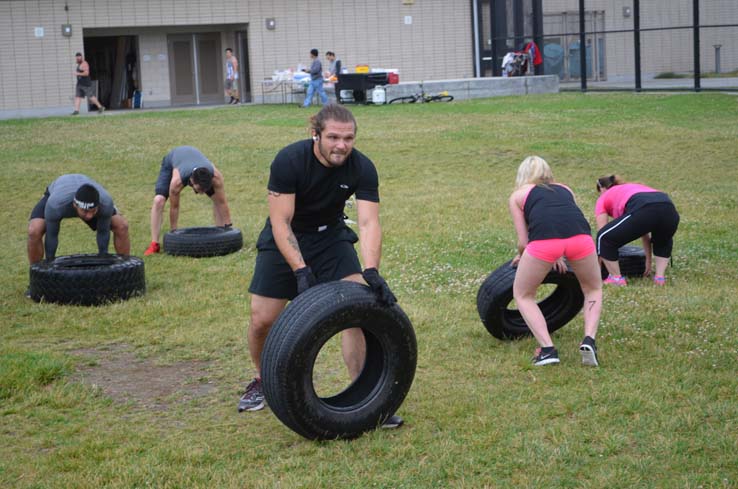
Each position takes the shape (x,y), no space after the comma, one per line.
(40,208)
(330,254)
(38,211)
(165,179)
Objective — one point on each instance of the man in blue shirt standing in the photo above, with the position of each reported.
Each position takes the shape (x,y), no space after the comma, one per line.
(316,80)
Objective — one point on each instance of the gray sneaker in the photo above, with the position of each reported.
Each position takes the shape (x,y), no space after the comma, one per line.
(589,352)
(253,398)
(392,422)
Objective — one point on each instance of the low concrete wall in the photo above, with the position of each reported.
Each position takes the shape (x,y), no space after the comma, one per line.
(468,88)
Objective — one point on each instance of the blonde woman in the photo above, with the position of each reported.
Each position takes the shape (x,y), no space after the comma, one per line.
(550,227)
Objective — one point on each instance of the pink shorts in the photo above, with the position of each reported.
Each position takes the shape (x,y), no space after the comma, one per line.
(550,250)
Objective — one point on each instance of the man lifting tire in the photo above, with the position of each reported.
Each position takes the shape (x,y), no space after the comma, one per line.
(183,166)
(305,240)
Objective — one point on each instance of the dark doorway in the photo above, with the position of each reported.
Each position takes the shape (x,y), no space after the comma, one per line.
(114,66)
(244,72)
(504,26)
(194,69)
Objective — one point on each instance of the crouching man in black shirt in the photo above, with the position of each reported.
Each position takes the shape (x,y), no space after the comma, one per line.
(305,240)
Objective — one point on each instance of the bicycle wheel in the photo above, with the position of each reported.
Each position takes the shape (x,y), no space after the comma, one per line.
(403,100)
(441,98)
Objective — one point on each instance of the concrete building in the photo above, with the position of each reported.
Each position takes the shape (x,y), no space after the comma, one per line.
(173,50)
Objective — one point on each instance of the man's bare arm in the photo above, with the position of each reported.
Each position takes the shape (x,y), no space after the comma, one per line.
(281,211)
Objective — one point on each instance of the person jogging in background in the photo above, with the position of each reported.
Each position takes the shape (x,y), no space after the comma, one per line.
(637,211)
(550,227)
(183,166)
(75,195)
(305,240)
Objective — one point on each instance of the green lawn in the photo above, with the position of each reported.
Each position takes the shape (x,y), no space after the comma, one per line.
(143,393)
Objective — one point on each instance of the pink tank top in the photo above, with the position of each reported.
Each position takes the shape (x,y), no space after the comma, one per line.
(612,202)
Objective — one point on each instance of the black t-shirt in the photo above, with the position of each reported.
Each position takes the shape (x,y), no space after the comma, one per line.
(552,213)
(321,192)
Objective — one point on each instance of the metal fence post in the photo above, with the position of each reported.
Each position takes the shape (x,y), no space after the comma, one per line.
(538,31)
(582,48)
(637,43)
(696,37)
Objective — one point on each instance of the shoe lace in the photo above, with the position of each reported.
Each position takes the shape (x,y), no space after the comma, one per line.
(254,388)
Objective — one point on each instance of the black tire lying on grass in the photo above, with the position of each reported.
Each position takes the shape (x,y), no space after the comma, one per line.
(632,260)
(203,241)
(297,337)
(87,280)
(496,294)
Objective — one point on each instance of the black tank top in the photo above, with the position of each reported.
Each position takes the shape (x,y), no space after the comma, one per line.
(83,80)
(551,213)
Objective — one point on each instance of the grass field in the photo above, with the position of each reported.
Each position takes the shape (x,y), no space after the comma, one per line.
(143,393)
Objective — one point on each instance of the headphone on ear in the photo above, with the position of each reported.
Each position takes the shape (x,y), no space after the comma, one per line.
(315,138)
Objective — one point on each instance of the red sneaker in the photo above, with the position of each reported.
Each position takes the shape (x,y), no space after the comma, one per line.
(153,248)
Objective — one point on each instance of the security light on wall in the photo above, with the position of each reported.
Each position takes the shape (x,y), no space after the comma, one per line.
(626,11)
(67,30)
(271,24)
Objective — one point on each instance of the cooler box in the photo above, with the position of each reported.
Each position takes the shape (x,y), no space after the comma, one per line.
(393,78)
(362,68)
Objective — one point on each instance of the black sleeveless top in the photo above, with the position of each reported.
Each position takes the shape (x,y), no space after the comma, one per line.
(551,213)
(83,80)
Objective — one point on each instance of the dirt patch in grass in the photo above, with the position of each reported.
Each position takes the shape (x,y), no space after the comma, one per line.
(124,377)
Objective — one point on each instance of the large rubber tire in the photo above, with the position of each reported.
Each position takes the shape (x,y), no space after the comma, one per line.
(297,337)
(203,241)
(632,260)
(87,280)
(403,100)
(496,293)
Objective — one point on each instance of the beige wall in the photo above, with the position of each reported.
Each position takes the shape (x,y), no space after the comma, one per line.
(36,73)
(437,45)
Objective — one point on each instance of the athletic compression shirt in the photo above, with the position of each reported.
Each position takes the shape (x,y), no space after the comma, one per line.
(59,206)
(551,213)
(614,200)
(186,159)
(320,192)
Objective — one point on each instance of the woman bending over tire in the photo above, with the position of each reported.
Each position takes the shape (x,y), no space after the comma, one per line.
(636,210)
(550,227)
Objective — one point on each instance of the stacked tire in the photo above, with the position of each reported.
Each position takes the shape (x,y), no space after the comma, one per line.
(87,279)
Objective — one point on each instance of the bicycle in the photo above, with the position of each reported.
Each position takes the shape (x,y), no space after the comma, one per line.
(423,97)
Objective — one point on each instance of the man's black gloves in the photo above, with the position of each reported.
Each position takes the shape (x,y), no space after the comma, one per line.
(379,286)
(305,279)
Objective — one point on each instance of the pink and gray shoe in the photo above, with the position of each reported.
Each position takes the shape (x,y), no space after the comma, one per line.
(616,280)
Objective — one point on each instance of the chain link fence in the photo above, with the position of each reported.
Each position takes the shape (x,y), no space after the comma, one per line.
(616,45)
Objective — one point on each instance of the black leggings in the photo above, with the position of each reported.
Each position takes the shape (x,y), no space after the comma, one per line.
(659,219)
